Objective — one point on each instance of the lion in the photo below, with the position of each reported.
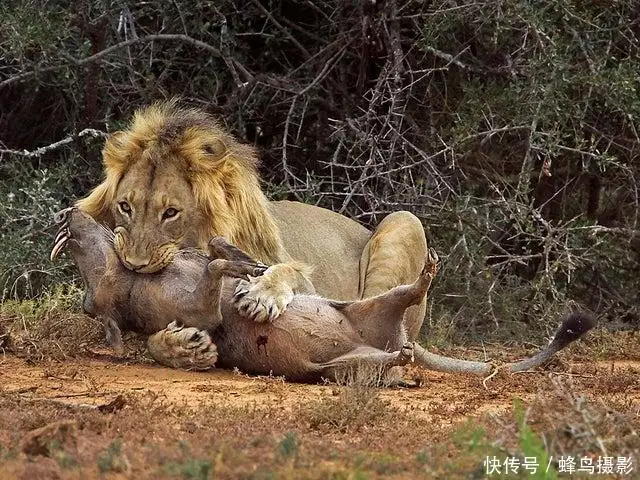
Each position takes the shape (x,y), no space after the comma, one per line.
(175,178)
(313,339)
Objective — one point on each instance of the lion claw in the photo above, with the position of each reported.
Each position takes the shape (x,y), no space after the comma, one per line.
(183,347)
(240,291)
(260,300)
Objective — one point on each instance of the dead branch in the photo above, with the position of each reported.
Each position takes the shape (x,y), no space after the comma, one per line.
(91,132)
(79,62)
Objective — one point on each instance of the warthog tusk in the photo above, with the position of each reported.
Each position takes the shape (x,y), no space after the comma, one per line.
(60,242)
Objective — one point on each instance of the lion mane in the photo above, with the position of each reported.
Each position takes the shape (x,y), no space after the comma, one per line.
(224,183)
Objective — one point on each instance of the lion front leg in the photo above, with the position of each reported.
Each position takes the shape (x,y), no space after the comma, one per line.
(183,347)
(264,298)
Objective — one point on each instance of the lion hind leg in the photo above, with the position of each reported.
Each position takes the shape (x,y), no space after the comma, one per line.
(388,307)
(395,255)
(183,347)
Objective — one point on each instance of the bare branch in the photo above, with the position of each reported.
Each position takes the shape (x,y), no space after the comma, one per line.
(280,27)
(54,146)
(79,62)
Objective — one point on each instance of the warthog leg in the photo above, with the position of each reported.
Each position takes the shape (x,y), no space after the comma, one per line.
(368,365)
(220,248)
(380,319)
(190,347)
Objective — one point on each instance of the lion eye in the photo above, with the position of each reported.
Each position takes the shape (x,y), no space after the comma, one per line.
(169,213)
(124,207)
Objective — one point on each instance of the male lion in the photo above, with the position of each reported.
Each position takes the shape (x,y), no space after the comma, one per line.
(175,178)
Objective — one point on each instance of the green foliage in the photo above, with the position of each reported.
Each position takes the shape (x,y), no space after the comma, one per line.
(7,453)
(31,31)
(422,457)
(191,469)
(113,460)
(470,437)
(537,85)
(532,446)
(29,201)
(509,128)
(288,446)
(59,454)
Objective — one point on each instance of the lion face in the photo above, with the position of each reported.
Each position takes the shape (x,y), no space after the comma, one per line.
(173,180)
(155,214)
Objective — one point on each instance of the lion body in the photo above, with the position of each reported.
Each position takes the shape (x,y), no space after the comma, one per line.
(175,178)
(318,236)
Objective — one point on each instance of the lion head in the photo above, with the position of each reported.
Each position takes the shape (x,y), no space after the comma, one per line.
(174,179)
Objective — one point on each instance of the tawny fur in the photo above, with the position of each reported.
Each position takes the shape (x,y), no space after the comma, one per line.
(221,171)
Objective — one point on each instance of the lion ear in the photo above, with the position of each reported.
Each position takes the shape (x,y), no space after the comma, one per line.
(215,151)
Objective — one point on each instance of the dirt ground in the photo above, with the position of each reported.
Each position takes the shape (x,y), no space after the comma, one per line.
(95,416)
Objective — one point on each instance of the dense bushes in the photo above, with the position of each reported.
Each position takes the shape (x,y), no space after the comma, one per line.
(510,128)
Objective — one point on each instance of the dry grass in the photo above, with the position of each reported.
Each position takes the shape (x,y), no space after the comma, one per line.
(351,430)
(351,434)
(563,420)
(53,326)
(348,409)
(48,327)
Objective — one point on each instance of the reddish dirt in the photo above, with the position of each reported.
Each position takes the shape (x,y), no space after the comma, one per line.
(236,424)
(94,382)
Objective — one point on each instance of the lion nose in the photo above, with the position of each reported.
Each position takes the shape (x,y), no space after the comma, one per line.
(134,263)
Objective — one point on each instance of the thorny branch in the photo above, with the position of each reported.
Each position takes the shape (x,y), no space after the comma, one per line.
(524,171)
(79,62)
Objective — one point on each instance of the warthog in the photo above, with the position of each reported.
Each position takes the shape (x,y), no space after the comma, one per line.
(188,310)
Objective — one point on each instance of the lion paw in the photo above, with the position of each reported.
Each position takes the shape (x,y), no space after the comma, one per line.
(183,347)
(262,298)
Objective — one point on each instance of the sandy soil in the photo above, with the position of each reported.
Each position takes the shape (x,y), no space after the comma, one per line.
(106,392)
(98,381)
